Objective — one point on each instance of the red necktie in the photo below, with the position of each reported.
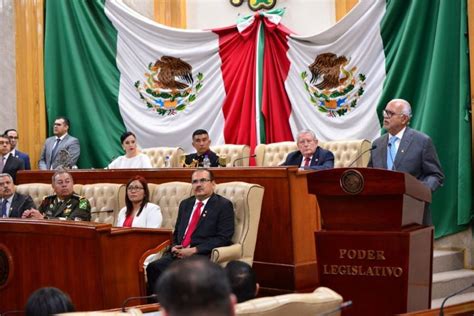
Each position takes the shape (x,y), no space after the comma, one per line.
(306,162)
(192,225)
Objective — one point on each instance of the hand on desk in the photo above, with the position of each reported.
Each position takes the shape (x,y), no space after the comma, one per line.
(32,213)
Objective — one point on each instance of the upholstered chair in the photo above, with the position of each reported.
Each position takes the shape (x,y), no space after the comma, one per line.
(37,191)
(158,156)
(272,155)
(241,153)
(104,200)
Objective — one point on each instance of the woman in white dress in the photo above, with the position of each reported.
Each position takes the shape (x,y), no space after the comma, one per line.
(139,212)
(132,158)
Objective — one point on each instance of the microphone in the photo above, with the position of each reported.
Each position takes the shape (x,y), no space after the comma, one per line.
(343,305)
(242,158)
(124,304)
(441,309)
(360,155)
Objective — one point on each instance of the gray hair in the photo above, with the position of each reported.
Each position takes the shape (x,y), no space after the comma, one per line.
(6,175)
(59,172)
(406,106)
(306,131)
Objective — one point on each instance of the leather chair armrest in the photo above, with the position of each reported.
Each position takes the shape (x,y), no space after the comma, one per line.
(227,253)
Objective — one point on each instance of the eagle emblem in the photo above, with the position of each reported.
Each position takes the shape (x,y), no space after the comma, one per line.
(169,86)
(334,88)
(255,5)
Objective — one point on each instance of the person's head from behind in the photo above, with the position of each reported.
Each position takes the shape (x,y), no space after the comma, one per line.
(201,141)
(194,287)
(48,301)
(137,194)
(243,281)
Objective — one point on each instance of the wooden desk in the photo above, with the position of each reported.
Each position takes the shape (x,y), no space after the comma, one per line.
(285,258)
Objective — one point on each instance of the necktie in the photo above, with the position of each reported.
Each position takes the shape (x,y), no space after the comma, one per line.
(307,160)
(4,208)
(2,163)
(391,152)
(55,149)
(192,225)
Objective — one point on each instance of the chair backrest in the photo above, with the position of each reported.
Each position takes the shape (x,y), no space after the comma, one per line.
(346,151)
(168,196)
(321,301)
(271,155)
(247,200)
(233,152)
(158,155)
(37,191)
(104,200)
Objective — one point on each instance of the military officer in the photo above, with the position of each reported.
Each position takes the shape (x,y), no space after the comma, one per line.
(64,204)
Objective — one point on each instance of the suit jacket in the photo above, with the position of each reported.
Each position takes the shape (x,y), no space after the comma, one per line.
(215,227)
(23,156)
(213,158)
(416,155)
(69,143)
(12,165)
(322,159)
(20,203)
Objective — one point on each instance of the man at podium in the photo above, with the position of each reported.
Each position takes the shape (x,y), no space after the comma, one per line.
(407,150)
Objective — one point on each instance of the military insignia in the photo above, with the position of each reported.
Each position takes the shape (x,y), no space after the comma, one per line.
(352,181)
(169,86)
(333,88)
(255,5)
(83,204)
(67,211)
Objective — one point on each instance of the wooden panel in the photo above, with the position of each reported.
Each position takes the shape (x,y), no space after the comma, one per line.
(171,12)
(31,112)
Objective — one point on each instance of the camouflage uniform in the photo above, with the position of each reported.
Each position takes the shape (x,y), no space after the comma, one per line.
(72,207)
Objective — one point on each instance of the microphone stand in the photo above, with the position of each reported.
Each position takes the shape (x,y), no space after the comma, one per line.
(124,304)
(441,309)
(242,158)
(360,155)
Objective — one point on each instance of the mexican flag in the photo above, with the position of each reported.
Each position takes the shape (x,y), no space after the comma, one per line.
(110,69)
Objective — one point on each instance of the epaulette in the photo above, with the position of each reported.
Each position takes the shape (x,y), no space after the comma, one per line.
(51,196)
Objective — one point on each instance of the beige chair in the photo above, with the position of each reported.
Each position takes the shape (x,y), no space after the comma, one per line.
(272,155)
(322,300)
(37,191)
(158,155)
(168,196)
(346,151)
(247,200)
(104,200)
(233,152)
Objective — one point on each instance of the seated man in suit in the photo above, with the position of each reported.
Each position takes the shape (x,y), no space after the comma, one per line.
(61,150)
(406,150)
(309,155)
(64,203)
(13,135)
(9,163)
(201,143)
(13,204)
(195,286)
(205,221)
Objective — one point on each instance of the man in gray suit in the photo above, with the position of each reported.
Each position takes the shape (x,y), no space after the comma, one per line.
(406,150)
(60,150)
(12,204)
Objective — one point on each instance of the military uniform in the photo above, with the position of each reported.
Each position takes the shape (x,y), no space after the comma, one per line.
(195,158)
(72,207)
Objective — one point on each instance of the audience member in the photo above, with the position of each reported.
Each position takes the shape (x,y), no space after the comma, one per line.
(309,155)
(407,150)
(13,204)
(243,281)
(61,150)
(201,143)
(132,158)
(64,203)
(139,212)
(9,163)
(13,136)
(195,287)
(205,221)
(48,301)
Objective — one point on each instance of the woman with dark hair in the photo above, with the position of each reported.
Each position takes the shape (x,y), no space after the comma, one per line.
(139,212)
(132,158)
(48,301)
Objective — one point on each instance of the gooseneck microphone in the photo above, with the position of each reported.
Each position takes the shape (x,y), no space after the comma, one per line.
(124,304)
(343,305)
(242,158)
(441,309)
(360,155)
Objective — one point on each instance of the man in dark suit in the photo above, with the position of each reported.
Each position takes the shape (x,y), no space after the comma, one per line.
(201,142)
(13,136)
(12,204)
(205,221)
(8,163)
(309,155)
(60,150)
(407,150)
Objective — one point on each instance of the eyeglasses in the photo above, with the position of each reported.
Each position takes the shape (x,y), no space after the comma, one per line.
(389,114)
(134,188)
(203,180)
(13,137)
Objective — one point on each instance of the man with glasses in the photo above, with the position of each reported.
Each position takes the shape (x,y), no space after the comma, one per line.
(13,136)
(64,203)
(406,150)
(205,221)
(12,204)
(309,155)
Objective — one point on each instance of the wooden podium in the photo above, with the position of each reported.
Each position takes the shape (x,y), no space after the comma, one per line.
(372,248)
(97,265)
